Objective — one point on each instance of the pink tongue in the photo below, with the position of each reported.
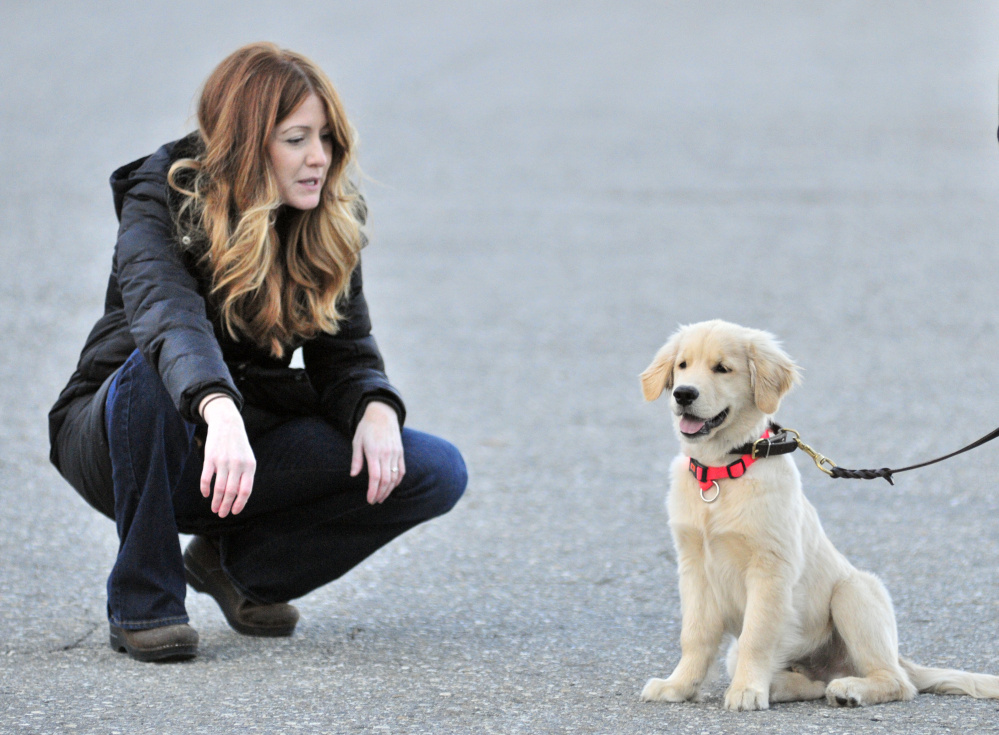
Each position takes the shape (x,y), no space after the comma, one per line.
(689,425)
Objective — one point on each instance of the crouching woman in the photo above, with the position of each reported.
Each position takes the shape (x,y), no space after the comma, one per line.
(237,245)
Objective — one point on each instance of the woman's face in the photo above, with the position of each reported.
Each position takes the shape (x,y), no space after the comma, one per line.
(300,150)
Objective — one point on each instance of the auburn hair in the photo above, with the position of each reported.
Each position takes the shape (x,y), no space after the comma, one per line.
(273,288)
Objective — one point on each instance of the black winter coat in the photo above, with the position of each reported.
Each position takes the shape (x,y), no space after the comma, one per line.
(156,301)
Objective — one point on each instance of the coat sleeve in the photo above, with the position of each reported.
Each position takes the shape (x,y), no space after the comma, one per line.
(164,307)
(346,368)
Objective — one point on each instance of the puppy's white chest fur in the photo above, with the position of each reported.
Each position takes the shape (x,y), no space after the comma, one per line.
(753,525)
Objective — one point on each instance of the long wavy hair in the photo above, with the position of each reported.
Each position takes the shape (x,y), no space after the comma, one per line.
(272,288)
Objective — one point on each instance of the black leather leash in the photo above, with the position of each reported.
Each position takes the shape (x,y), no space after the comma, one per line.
(785,441)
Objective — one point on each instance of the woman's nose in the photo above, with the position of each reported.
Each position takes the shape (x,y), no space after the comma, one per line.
(317,155)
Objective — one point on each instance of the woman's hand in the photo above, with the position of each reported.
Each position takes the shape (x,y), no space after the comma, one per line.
(228,456)
(378,442)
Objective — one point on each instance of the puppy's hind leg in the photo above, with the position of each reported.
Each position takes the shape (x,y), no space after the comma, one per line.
(792,686)
(863,615)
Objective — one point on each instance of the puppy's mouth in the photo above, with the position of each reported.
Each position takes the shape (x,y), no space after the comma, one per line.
(691,425)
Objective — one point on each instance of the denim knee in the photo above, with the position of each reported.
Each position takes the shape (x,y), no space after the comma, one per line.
(454,479)
(442,470)
(135,370)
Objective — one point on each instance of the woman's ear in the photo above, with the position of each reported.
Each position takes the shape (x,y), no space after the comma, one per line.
(772,372)
(658,376)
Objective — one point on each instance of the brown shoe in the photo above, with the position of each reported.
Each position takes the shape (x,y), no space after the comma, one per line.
(204,573)
(166,643)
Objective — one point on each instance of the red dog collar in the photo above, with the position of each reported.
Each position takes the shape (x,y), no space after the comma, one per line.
(706,476)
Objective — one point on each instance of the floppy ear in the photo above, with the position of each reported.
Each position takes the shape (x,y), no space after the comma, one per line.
(772,372)
(659,375)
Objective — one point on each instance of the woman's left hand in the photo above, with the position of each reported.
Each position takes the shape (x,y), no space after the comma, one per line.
(378,442)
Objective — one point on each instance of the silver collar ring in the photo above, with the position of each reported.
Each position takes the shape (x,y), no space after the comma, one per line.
(714,497)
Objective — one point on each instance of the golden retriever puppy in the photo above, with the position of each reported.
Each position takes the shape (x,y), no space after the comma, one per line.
(753,560)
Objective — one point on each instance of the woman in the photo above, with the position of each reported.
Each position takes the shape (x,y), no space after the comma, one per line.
(237,245)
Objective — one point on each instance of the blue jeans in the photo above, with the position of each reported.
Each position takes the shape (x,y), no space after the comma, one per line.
(307,521)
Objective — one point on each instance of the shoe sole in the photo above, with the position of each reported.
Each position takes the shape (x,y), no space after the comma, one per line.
(173,652)
(200,585)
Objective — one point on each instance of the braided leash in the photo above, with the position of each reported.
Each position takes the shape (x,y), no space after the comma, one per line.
(833,470)
(884,472)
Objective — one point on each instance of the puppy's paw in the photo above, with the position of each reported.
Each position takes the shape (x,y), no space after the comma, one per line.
(744,699)
(846,692)
(667,690)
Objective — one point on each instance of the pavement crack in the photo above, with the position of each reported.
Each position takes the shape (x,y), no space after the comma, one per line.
(76,644)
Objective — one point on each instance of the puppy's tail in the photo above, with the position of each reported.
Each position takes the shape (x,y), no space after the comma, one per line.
(951,681)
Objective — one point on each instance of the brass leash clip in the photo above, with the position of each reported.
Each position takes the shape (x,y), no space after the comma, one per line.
(823,463)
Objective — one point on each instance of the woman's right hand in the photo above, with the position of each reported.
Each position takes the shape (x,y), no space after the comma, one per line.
(228,456)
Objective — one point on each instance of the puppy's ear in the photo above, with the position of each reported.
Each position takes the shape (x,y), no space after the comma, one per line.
(659,375)
(772,372)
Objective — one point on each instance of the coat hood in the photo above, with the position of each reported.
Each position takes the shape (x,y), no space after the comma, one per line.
(152,168)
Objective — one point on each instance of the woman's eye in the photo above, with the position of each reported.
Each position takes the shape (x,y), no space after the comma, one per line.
(719,368)
(294,141)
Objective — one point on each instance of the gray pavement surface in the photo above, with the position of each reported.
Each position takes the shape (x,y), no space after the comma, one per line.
(554,187)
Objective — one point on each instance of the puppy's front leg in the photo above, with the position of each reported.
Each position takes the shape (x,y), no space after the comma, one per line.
(701,631)
(768,599)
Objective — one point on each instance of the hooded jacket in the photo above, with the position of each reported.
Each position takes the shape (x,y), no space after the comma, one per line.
(156,301)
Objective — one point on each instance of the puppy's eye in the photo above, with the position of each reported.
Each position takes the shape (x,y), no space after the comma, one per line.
(683,365)
(719,368)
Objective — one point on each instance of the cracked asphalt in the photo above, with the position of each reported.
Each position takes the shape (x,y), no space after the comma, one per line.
(554,187)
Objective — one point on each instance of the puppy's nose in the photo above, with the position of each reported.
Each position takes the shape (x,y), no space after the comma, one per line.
(685,394)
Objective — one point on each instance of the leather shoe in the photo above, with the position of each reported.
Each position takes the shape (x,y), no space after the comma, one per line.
(165,643)
(204,573)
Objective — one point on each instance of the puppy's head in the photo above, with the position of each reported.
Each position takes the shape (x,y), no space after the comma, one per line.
(722,379)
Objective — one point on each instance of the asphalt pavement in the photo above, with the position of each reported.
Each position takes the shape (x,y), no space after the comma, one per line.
(554,187)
